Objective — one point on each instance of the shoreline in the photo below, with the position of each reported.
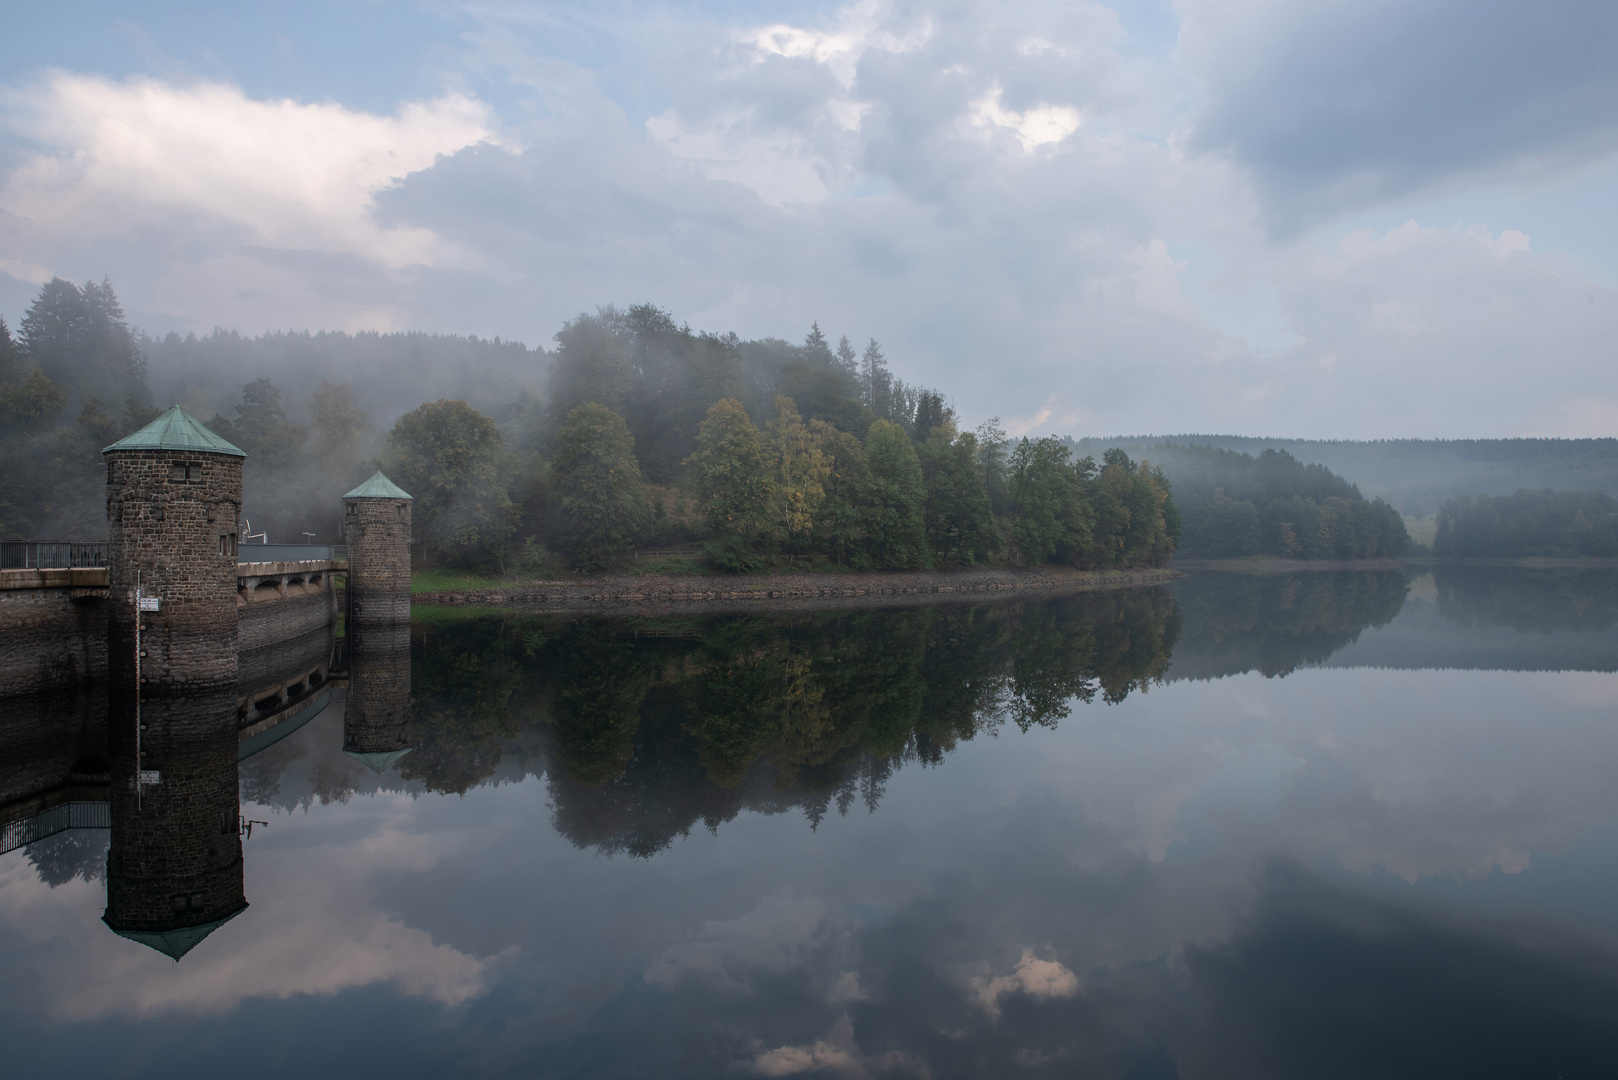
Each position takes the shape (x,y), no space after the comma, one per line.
(1265,564)
(642,594)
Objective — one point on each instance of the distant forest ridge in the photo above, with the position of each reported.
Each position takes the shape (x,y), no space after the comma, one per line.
(1416,476)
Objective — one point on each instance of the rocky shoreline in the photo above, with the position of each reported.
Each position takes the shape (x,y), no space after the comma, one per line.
(642,594)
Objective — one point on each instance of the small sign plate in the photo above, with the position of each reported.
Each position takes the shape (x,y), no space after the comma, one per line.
(148,603)
(151,776)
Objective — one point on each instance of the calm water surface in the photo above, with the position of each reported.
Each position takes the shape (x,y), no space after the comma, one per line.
(1323,824)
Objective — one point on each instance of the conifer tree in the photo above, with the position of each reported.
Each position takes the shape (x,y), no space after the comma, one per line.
(894,528)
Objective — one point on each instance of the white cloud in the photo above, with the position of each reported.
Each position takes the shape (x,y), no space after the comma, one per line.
(869,24)
(1397,317)
(1037,126)
(285,174)
(1032,976)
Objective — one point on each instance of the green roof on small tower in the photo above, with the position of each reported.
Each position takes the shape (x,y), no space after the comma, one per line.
(176,430)
(176,943)
(378,487)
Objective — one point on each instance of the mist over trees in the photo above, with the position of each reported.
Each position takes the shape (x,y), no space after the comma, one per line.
(1235,504)
(71,382)
(762,450)
(1415,476)
(1547,524)
(636,430)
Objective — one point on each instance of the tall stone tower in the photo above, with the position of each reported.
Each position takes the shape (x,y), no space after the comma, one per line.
(174,870)
(174,493)
(376,525)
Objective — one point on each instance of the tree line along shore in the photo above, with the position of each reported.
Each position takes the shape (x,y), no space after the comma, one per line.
(636,432)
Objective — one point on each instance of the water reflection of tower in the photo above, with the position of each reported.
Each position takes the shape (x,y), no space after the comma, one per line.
(376,722)
(174,869)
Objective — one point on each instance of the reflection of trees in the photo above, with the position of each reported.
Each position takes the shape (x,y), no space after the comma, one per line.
(598,683)
(654,726)
(1276,623)
(462,685)
(77,853)
(1568,599)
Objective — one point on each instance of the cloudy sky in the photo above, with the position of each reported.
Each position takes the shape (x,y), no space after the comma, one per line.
(1314,218)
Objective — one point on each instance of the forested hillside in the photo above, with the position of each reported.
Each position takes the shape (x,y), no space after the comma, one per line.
(310,409)
(634,431)
(1415,476)
(766,448)
(1550,524)
(1234,504)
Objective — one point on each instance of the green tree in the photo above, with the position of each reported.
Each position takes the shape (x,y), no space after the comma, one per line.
(78,337)
(801,470)
(959,520)
(731,475)
(10,355)
(599,485)
(341,427)
(261,426)
(994,454)
(839,524)
(876,382)
(895,531)
(452,460)
(1050,516)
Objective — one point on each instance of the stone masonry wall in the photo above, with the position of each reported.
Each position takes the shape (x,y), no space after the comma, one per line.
(50,740)
(168,527)
(51,635)
(269,612)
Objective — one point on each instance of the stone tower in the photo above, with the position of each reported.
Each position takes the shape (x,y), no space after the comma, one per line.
(376,525)
(174,490)
(174,870)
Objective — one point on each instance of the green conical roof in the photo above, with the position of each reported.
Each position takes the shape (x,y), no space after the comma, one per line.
(378,487)
(177,942)
(176,430)
(380,761)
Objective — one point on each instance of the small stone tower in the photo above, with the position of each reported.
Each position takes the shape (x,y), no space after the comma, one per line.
(376,525)
(174,493)
(174,870)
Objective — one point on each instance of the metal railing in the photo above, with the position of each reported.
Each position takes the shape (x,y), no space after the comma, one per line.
(51,554)
(289,552)
(73,815)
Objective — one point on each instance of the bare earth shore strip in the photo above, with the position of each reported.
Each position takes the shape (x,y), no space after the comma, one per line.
(643,594)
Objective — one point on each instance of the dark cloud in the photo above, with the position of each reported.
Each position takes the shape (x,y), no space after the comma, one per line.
(1336,106)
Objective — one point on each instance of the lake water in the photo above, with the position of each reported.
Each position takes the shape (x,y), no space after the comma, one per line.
(1331,824)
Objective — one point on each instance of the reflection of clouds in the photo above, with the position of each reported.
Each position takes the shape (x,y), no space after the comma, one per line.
(1033,976)
(1580,689)
(772,935)
(1419,773)
(311,929)
(1131,846)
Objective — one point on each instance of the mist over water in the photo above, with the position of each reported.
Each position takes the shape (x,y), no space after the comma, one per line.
(1329,823)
